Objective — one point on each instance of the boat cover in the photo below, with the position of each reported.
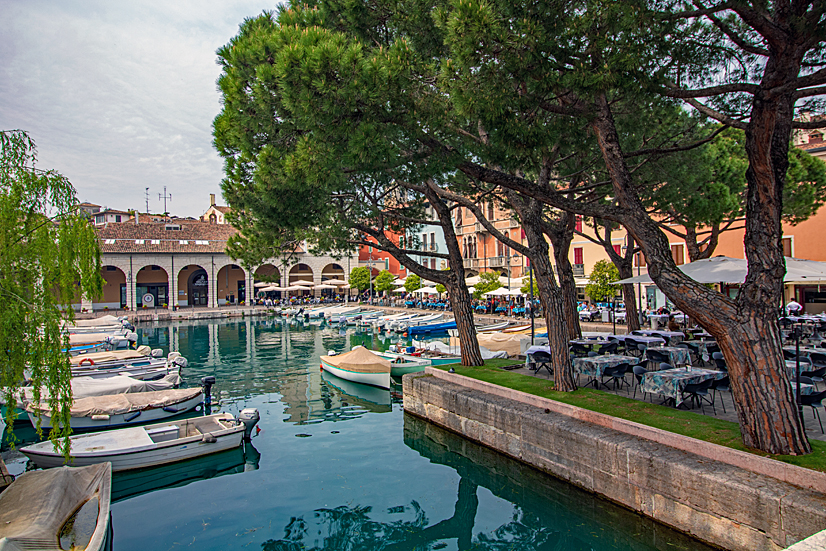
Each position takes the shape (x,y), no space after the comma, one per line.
(101,321)
(455,346)
(87,338)
(513,344)
(359,360)
(117,404)
(111,356)
(83,387)
(37,505)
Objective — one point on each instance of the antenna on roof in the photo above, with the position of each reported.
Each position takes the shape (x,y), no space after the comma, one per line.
(164,196)
(146,196)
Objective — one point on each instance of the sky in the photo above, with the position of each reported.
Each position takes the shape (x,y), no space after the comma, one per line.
(120,96)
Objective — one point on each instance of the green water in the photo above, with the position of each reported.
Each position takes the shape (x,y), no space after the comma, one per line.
(338,466)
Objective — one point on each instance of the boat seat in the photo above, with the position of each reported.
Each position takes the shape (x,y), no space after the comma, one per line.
(195,427)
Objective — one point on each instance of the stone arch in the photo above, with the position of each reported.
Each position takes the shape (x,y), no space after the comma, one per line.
(268,271)
(300,272)
(193,286)
(151,287)
(332,271)
(230,284)
(114,290)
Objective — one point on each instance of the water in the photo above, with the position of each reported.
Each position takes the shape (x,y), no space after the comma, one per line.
(338,466)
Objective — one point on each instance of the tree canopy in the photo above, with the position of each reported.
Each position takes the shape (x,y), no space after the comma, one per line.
(600,285)
(412,283)
(488,281)
(384,281)
(49,258)
(360,278)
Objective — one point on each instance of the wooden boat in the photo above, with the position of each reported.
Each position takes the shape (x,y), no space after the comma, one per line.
(360,366)
(150,445)
(64,508)
(518,328)
(117,410)
(492,327)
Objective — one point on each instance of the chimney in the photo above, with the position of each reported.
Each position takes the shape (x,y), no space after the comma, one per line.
(211,199)
(137,218)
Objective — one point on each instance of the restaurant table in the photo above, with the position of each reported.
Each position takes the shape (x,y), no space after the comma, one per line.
(535,348)
(670,382)
(702,346)
(673,336)
(640,338)
(677,355)
(595,335)
(595,366)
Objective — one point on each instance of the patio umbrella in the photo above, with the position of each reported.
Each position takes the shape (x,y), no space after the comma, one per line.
(325,286)
(334,282)
(427,290)
(271,288)
(471,281)
(400,281)
(262,284)
(503,291)
(303,283)
(722,269)
(296,288)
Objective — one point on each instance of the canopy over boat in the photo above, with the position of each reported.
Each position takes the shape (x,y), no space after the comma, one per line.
(103,320)
(116,404)
(359,360)
(34,509)
(84,387)
(513,344)
(97,357)
(87,338)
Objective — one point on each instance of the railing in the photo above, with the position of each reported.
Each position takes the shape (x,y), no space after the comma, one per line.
(513,223)
(479,228)
(471,262)
(498,261)
(579,270)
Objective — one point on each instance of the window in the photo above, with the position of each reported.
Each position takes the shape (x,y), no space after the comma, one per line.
(401,242)
(173,227)
(424,241)
(183,242)
(99,219)
(201,242)
(786,242)
(155,242)
(578,256)
(639,260)
(138,241)
(490,211)
(109,242)
(432,241)
(155,268)
(432,263)
(677,254)
(117,218)
(111,268)
(618,249)
(578,223)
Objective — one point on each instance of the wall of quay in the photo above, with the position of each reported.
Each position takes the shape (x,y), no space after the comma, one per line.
(704,490)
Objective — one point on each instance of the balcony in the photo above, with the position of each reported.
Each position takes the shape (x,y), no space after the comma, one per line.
(498,261)
(513,223)
(471,262)
(479,228)
(579,270)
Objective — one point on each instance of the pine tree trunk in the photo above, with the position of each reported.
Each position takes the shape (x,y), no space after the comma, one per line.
(746,329)
(462,306)
(561,243)
(629,296)
(552,300)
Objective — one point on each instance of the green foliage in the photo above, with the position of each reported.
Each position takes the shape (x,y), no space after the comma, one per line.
(49,257)
(384,281)
(599,286)
(488,281)
(441,289)
(805,190)
(526,286)
(412,283)
(360,278)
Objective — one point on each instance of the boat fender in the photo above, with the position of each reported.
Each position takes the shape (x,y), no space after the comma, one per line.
(90,360)
(208,438)
(100,417)
(133,416)
(170,409)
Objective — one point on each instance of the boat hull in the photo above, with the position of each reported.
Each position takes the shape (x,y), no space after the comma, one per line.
(122,419)
(163,454)
(381,380)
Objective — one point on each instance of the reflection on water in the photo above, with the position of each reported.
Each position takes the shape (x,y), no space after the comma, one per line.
(371,479)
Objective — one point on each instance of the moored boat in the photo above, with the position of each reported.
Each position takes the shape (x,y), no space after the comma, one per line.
(151,445)
(115,410)
(360,366)
(64,508)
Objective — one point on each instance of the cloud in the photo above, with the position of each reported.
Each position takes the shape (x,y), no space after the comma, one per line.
(120,96)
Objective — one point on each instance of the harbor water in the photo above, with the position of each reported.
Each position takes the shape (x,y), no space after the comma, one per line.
(339,466)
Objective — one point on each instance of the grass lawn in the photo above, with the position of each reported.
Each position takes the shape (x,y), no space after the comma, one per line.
(695,425)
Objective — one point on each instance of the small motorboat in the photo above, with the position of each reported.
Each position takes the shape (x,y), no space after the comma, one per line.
(65,508)
(360,366)
(150,445)
(432,328)
(492,327)
(117,410)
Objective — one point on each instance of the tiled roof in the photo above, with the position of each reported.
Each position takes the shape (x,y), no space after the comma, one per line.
(192,237)
(811,146)
(222,209)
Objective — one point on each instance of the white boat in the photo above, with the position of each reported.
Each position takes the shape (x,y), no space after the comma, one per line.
(65,508)
(335,314)
(404,325)
(84,387)
(122,359)
(360,366)
(492,327)
(151,445)
(116,410)
(356,317)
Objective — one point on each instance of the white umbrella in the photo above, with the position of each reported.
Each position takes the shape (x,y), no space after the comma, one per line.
(398,291)
(272,288)
(325,286)
(303,283)
(296,288)
(471,281)
(427,290)
(334,282)
(400,281)
(262,284)
(503,291)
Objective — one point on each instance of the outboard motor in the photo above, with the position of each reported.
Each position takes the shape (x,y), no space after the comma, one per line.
(181,362)
(207,383)
(156,353)
(129,327)
(250,417)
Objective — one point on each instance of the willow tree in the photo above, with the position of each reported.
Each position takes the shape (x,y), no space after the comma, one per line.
(49,257)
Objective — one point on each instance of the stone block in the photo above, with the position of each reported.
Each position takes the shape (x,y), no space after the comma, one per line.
(803,513)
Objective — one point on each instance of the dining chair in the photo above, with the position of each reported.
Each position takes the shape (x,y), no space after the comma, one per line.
(816,375)
(719,361)
(656,357)
(609,348)
(698,393)
(579,350)
(542,359)
(616,373)
(639,372)
(723,384)
(814,401)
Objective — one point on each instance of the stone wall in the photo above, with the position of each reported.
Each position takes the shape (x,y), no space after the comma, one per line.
(714,501)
